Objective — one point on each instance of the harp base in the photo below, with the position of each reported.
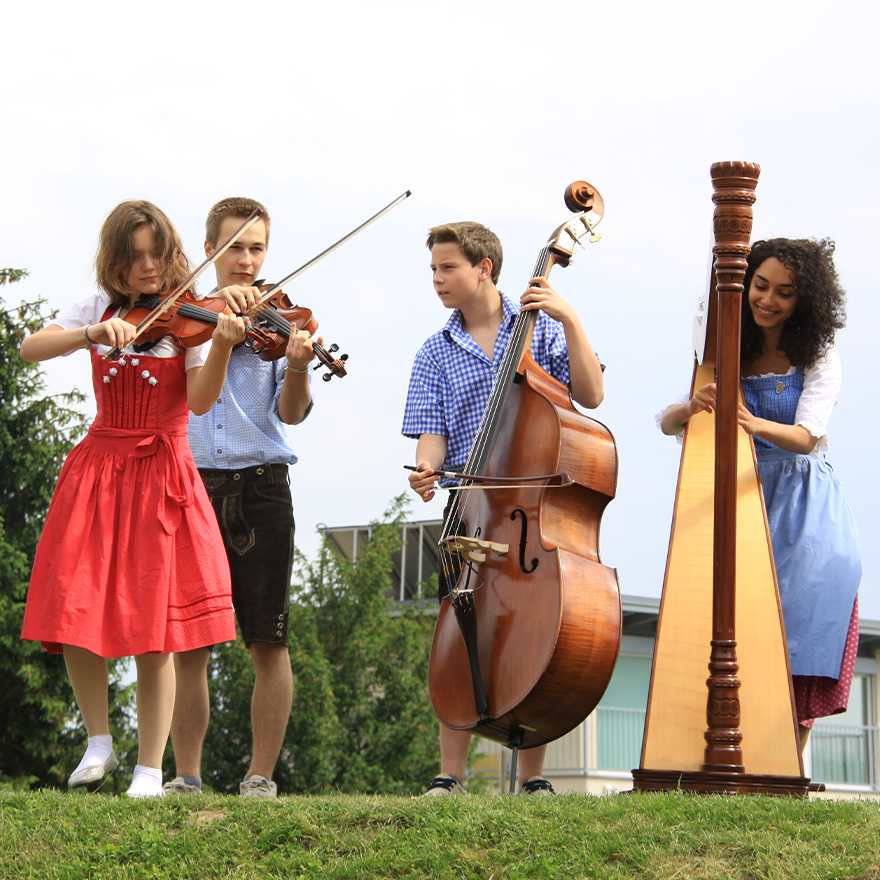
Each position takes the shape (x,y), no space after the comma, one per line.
(723,783)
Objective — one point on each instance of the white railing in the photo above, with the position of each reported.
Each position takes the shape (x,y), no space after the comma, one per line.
(610,740)
(844,754)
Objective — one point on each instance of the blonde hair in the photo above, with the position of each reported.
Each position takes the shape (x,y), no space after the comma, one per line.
(116,256)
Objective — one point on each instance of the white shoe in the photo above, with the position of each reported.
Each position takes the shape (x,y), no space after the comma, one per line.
(94,773)
(257,786)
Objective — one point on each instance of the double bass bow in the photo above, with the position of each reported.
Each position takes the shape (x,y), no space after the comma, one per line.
(529,626)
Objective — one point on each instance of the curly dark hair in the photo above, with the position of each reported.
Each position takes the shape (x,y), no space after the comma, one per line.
(821,305)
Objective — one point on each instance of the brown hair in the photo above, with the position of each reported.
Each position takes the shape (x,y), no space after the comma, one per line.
(476,241)
(821,303)
(234,206)
(116,256)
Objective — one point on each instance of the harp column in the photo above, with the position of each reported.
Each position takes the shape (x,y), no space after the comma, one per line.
(734,194)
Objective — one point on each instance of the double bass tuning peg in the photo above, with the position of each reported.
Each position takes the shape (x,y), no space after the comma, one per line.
(594,236)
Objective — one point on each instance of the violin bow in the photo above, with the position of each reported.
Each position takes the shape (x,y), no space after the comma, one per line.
(276,287)
(187,282)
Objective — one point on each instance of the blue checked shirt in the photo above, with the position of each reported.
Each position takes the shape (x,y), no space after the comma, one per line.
(452,378)
(243,428)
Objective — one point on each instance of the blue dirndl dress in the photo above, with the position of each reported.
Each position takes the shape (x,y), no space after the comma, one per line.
(815,545)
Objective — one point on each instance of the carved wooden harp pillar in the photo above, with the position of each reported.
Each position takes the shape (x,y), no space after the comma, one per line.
(736,731)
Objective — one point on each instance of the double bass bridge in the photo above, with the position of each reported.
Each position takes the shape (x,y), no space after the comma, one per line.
(473,550)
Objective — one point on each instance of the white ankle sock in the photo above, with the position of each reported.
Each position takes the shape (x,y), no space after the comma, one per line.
(146,782)
(98,750)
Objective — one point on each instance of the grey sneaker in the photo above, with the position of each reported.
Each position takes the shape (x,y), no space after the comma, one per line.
(257,786)
(444,784)
(179,786)
(536,785)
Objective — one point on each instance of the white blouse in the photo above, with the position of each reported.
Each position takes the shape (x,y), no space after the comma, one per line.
(90,311)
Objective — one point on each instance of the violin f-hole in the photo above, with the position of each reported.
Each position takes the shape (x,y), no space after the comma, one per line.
(524,536)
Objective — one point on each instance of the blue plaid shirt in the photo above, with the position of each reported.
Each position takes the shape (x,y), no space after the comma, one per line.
(452,378)
(243,428)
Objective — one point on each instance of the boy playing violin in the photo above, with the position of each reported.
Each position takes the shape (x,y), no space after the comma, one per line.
(242,449)
(451,380)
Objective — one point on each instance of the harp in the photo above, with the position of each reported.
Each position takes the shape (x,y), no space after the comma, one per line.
(737,730)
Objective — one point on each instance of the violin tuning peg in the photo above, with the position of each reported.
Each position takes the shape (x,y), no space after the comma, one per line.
(343,357)
(327,377)
(595,237)
(333,347)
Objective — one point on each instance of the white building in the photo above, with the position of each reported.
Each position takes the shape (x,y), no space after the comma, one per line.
(599,755)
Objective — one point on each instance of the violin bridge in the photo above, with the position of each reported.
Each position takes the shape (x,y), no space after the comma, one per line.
(472,548)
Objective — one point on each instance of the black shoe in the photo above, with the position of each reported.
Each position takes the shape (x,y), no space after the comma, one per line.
(445,783)
(536,785)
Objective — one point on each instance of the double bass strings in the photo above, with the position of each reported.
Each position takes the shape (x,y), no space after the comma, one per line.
(485,437)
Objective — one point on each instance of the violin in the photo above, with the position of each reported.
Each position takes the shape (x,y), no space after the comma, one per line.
(188,321)
(270,323)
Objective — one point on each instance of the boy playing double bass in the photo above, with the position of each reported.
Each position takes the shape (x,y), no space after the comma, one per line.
(451,381)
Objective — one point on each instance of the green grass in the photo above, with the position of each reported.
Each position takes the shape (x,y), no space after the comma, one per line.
(675,836)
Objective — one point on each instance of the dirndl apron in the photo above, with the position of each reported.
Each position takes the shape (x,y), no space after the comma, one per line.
(816,551)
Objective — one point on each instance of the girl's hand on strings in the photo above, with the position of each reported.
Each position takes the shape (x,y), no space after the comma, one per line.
(749,422)
(703,400)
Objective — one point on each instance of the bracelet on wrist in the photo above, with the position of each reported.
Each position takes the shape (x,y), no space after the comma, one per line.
(290,369)
(86,334)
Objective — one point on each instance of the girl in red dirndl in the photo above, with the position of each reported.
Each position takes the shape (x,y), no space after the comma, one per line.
(130,561)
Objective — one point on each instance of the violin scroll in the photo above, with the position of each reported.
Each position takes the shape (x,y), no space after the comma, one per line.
(335,366)
(270,323)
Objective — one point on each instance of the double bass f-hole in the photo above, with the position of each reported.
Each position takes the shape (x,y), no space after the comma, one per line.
(523,539)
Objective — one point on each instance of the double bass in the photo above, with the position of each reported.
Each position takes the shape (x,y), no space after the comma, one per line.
(529,626)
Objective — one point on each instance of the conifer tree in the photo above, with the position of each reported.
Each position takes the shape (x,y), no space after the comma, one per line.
(40,732)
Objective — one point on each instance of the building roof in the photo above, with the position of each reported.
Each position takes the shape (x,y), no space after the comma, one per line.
(416,562)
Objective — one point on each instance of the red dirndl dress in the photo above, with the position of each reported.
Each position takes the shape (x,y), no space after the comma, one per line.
(131,560)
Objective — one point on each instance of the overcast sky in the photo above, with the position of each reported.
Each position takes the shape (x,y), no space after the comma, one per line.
(486,111)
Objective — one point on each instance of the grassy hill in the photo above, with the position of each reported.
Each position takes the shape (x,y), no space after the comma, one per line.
(677,836)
